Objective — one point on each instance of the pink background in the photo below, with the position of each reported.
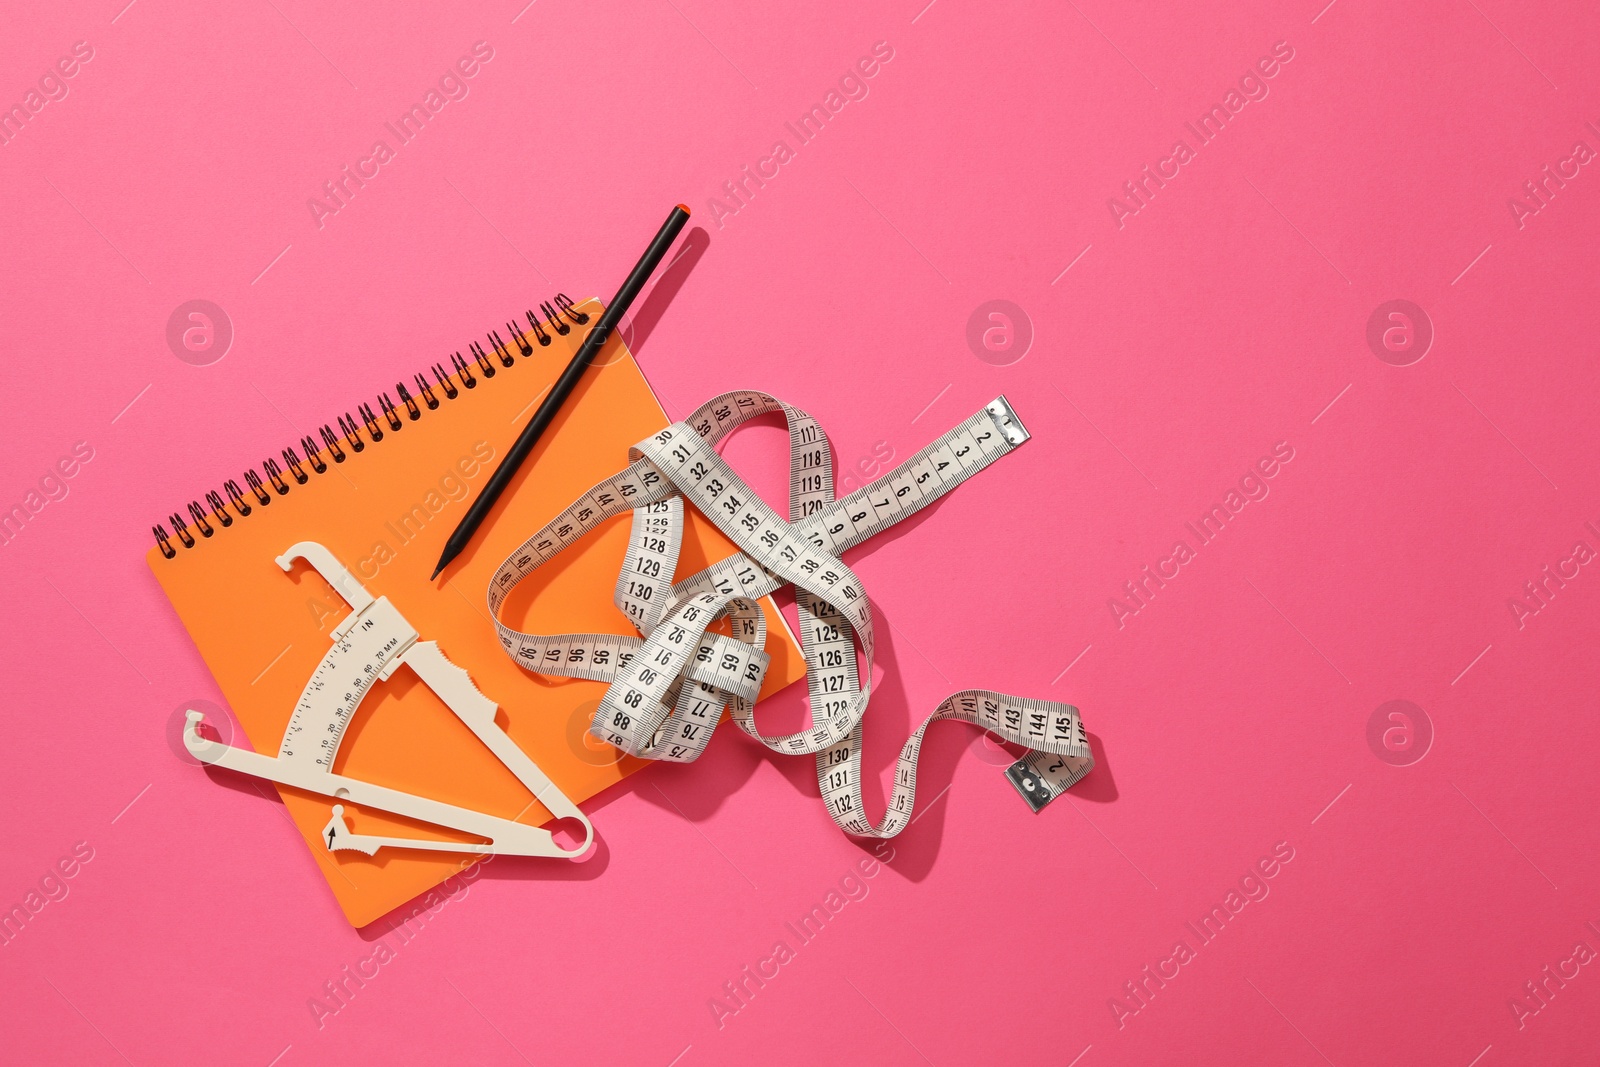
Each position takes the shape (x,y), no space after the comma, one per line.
(1230,713)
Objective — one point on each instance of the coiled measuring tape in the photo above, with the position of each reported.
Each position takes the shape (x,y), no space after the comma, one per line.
(669,686)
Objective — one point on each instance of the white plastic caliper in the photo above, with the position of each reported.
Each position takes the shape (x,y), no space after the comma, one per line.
(369,645)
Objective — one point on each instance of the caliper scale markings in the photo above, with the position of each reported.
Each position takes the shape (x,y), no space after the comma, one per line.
(372,642)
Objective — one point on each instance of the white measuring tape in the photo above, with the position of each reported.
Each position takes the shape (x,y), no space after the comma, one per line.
(668,688)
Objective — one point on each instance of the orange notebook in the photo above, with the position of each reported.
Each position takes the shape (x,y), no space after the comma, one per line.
(385,512)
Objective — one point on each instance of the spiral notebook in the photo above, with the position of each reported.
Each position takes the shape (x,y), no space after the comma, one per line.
(382,488)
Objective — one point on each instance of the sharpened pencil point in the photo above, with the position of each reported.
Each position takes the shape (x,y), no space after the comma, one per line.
(436,571)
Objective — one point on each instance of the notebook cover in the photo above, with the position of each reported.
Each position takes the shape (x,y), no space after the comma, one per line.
(385,513)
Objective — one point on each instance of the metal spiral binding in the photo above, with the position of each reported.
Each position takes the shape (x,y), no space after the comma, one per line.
(274,479)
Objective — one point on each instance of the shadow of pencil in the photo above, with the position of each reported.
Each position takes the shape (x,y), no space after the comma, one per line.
(638,325)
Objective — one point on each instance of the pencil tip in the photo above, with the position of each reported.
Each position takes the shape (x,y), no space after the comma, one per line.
(436,571)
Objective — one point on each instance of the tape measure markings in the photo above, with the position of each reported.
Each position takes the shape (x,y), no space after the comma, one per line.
(668,688)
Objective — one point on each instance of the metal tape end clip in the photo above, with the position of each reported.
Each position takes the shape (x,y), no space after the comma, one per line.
(1027,782)
(1006,421)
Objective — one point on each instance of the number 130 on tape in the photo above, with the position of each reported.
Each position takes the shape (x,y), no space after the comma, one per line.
(669,686)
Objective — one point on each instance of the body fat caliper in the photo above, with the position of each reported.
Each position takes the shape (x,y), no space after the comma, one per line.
(369,646)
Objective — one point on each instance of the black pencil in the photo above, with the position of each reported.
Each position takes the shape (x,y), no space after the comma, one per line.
(562,389)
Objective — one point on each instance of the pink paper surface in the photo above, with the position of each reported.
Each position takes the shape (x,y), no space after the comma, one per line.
(1180,332)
